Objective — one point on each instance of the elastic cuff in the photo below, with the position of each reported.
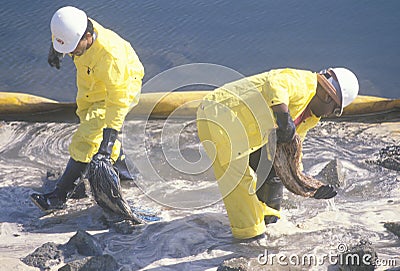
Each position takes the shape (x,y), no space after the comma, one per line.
(249,232)
(257,229)
(272,211)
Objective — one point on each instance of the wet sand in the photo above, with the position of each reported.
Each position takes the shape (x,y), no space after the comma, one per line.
(200,239)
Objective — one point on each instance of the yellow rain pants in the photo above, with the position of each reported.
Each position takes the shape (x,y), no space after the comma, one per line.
(109,80)
(234,121)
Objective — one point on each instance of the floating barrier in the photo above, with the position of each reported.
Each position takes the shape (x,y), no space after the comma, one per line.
(179,104)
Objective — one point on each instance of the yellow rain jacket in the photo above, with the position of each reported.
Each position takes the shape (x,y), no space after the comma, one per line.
(234,121)
(109,80)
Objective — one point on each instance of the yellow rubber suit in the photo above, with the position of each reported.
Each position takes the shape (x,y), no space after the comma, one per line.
(109,80)
(236,120)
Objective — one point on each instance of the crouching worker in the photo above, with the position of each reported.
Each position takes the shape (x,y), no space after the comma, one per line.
(109,80)
(240,123)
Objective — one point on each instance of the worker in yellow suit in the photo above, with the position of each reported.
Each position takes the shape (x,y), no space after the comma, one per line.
(240,120)
(109,79)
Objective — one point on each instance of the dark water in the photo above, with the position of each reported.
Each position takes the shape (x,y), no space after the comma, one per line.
(247,36)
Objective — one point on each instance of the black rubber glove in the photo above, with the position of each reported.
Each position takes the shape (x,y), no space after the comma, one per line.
(54,57)
(286,127)
(325,192)
(109,137)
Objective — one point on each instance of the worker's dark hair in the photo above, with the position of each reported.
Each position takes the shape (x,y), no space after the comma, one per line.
(89,29)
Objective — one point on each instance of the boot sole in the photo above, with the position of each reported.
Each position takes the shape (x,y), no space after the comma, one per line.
(33,199)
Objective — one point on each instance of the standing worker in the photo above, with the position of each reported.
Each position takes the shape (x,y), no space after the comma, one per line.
(236,123)
(109,80)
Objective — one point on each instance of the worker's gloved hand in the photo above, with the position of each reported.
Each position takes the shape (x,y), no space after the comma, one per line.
(325,192)
(286,127)
(54,57)
(106,146)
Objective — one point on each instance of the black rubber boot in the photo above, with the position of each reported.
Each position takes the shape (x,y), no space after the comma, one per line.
(49,202)
(269,186)
(271,193)
(73,171)
(56,200)
(122,167)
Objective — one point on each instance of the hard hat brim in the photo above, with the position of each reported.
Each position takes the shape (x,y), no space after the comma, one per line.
(332,92)
(65,49)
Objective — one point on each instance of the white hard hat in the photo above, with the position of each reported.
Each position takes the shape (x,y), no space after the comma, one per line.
(348,84)
(67,27)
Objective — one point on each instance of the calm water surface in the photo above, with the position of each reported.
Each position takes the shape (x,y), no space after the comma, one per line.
(247,36)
